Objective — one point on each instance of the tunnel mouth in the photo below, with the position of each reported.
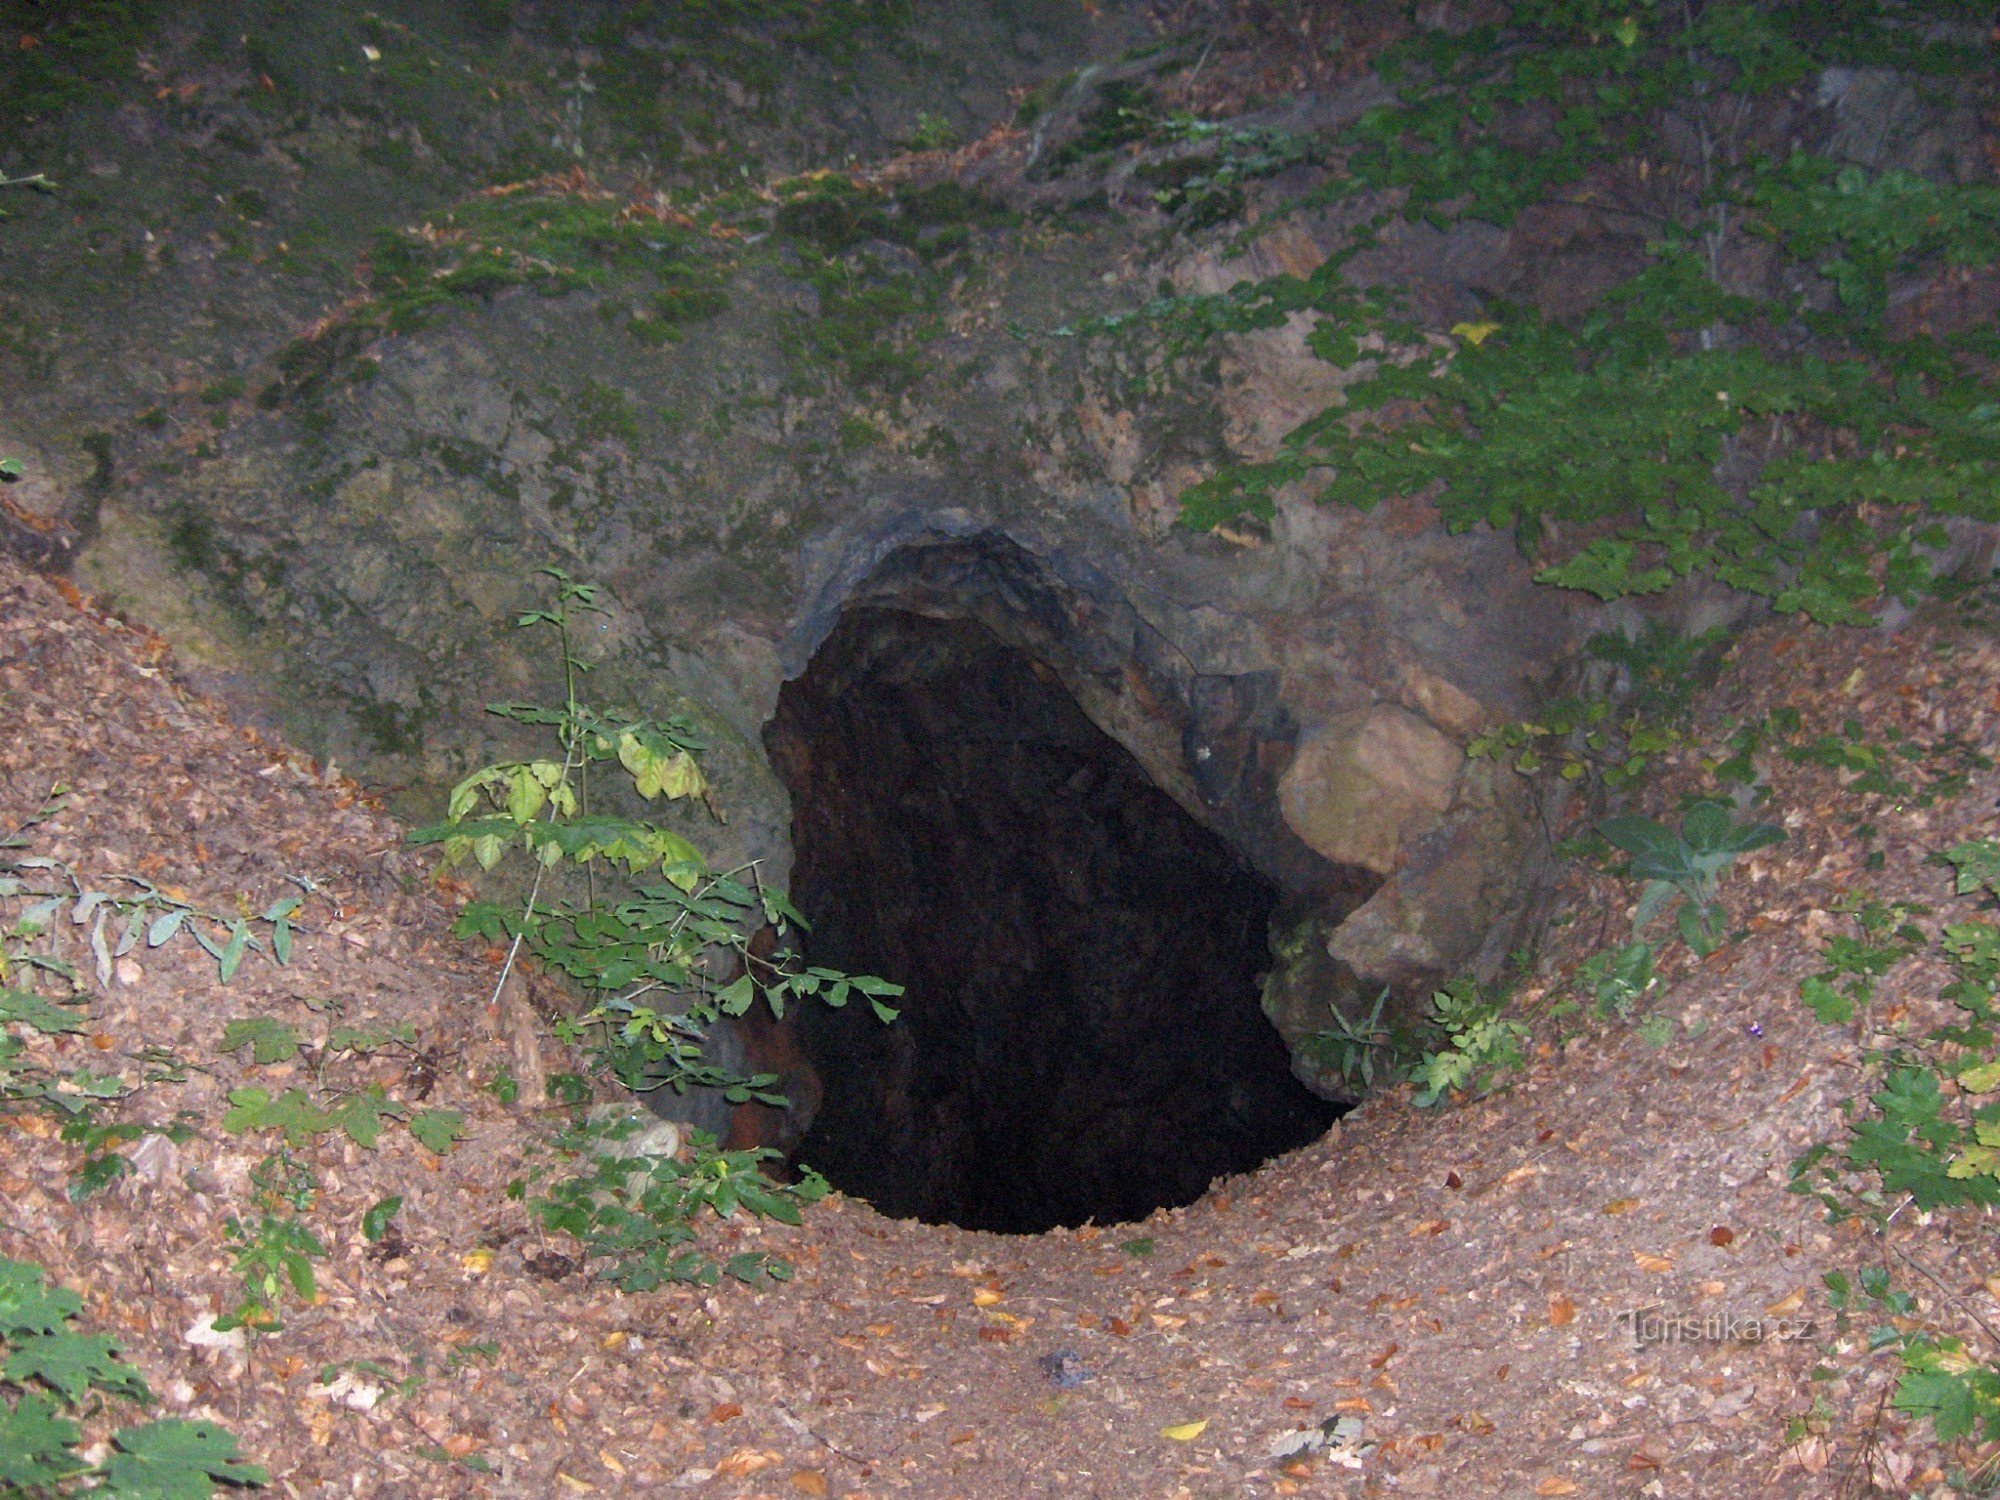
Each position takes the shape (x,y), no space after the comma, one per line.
(1081,1038)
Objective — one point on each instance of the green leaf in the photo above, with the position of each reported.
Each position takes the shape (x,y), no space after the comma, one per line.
(71,1364)
(1823,1000)
(96,1174)
(437,1129)
(295,1114)
(734,999)
(36,1446)
(230,959)
(173,1459)
(31,1009)
(375,1223)
(361,1115)
(270,1040)
(27,1305)
(369,1038)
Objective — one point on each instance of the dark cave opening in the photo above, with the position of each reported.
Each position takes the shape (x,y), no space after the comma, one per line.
(1081,1037)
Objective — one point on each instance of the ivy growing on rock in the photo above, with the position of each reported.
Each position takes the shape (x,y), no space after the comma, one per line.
(1773,429)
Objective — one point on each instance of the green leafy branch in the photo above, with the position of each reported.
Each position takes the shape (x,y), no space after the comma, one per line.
(1477,1042)
(636,1214)
(647,956)
(45,892)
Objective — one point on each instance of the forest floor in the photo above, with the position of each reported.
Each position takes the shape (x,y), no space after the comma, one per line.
(1462,1280)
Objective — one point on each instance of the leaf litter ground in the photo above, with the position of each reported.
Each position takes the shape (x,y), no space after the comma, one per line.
(1457,1285)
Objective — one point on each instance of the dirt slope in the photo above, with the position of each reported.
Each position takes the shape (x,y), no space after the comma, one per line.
(1451,1278)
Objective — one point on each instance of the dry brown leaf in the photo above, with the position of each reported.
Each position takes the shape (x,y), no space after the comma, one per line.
(1562,1311)
(1555,1485)
(809,1482)
(1790,1303)
(1428,1228)
(748,1461)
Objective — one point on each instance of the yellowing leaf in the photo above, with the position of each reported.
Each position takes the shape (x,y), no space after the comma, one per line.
(1186,1432)
(525,794)
(1980,1080)
(1474,333)
(985,1296)
(476,1262)
(1621,1205)
(681,777)
(1982,1160)
(1788,1304)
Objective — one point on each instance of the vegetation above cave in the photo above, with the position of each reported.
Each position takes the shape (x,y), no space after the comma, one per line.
(1760,402)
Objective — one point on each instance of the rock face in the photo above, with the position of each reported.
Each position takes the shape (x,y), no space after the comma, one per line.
(856,412)
(1368,781)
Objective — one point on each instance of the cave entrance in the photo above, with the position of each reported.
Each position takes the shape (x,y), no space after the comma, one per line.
(1081,1037)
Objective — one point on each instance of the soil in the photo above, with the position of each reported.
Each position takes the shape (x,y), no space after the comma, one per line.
(1453,1278)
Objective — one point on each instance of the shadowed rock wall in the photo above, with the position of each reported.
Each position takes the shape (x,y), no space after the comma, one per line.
(1080,1037)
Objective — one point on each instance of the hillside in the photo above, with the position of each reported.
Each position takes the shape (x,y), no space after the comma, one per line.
(1452,1277)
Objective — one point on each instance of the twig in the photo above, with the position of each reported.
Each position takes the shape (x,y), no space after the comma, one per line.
(1950,1296)
(835,1449)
